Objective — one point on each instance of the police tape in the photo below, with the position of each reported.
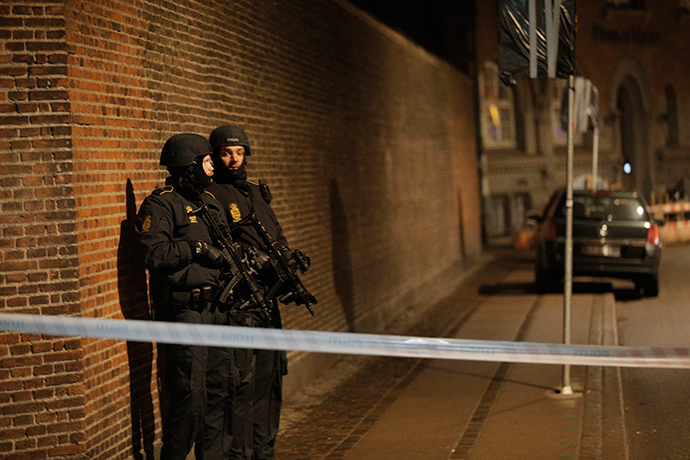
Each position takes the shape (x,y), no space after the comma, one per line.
(347,343)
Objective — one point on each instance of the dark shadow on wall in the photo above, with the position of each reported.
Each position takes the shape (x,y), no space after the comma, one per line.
(134,302)
(343,277)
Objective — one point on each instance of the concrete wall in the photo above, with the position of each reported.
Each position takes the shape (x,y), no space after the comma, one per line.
(366,140)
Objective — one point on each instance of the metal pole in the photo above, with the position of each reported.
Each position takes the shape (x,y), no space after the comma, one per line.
(533,39)
(553,22)
(568,279)
(595,158)
(551,69)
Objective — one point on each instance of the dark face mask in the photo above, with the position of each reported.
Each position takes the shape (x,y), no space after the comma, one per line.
(190,181)
(198,176)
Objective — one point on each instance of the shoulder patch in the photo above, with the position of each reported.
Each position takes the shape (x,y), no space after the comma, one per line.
(161,191)
(146,224)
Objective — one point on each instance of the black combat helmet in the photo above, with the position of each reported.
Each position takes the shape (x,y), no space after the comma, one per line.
(229,135)
(182,149)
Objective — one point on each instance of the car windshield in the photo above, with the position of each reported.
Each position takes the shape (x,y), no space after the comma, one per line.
(606,208)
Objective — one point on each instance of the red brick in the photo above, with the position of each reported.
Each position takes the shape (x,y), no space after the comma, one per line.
(46,417)
(67,450)
(41,347)
(21,361)
(21,9)
(63,379)
(57,23)
(22,420)
(6,447)
(23,408)
(25,444)
(47,441)
(66,427)
(20,349)
(44,393)
(45,46)
(11,433)
(10,23)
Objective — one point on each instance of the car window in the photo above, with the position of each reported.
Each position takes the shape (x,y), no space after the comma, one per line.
(606,208)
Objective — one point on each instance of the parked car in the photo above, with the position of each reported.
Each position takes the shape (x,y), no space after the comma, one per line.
(614,236)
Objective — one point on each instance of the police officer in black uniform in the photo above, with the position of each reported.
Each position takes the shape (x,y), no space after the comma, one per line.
(184,271)
(241,199)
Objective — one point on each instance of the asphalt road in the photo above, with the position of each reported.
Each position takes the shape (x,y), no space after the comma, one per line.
(656,401)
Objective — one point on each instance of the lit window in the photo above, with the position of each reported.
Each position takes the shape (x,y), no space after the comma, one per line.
(498,110)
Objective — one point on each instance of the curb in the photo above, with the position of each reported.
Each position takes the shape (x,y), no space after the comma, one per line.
(603,427)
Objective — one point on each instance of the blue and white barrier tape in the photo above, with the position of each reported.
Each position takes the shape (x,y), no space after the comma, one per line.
(347,343)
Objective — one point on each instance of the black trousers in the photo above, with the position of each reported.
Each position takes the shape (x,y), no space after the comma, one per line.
(228,418)
(268,398)
(185,382)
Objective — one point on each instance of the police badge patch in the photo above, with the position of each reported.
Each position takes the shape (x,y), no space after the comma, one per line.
(146,225)
(192,216)
(235,212)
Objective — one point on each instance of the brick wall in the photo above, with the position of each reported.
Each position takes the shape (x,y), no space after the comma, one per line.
(42,378)
(366,140)
(114,148)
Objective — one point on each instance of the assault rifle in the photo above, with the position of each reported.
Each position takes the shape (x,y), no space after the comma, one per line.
(237,267)
(286,267)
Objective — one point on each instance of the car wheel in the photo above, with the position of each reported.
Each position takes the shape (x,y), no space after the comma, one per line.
(649,286)
(545,280)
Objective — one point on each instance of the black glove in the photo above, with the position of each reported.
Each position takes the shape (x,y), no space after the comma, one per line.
(302,260)
(206,254)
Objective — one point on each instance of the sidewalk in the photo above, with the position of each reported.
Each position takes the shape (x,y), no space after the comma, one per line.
(392,408)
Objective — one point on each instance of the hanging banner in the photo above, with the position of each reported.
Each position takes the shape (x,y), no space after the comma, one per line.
(586,108)
(537,39)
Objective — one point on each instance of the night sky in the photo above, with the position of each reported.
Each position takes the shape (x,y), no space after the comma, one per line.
(445,28)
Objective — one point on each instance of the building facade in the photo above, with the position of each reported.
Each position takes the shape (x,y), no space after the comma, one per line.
(633,52)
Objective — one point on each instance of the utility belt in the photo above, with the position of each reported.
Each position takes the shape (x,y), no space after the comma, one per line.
(197,299)
(245,314)
(248,318)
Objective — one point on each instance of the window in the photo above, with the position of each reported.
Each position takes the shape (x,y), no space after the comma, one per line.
(498,110)
(605,208)
(521,203)
(559,94)
(507,213)
(671,117)
(498,215)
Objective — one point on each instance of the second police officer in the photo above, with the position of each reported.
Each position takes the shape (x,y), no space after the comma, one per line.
(263,369)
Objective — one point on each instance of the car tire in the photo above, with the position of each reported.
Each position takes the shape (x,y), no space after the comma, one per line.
(649,286)
(545,280)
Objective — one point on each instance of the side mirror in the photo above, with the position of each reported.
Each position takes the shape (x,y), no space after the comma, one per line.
(533,218)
